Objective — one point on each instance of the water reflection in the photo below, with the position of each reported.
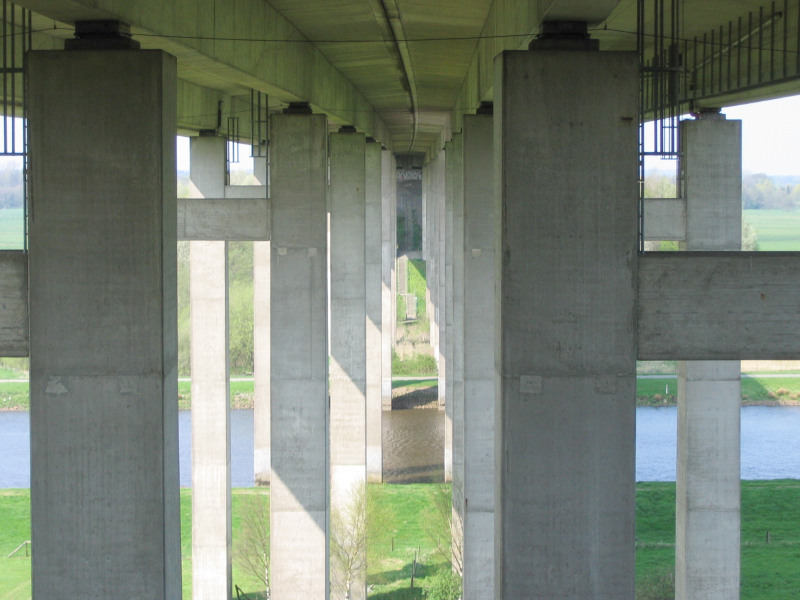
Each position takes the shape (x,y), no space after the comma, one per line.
(413,446)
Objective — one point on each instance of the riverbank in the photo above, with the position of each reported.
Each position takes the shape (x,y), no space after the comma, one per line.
(762,389)
(770,539)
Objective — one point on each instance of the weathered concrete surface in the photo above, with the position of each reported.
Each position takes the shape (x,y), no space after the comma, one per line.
(446,304)
(718,305)
(348,410)
(388,275)
(14,303)
(665,219)
(261,343)
(566,450)
(261,362)
(707,550)
(211,436)
(211,439)
(224,219)
(373,252)
(103,310)
(299,357)
(455,192)
(481,376)
(712,171)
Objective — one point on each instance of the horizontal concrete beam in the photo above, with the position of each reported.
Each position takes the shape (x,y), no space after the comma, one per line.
(13,303)
(231,219)
(719,305)
(664,219)
(245,191)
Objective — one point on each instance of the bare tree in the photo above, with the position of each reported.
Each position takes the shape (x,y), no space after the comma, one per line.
(251,548)
(443,529)
(356,526)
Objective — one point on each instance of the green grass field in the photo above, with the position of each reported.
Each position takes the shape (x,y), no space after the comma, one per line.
(661,391)
(769,571)
(12,229)
(777,229)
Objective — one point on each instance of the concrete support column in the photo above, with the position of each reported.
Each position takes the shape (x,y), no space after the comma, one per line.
(261,354)
(439,175)
(299,357)
(103,318)
(388,283)
(211,446)
(481,377)
(707,533)
(455,407)
(261,362)
(566,445)
(373,252)
(211,454)
(348,354)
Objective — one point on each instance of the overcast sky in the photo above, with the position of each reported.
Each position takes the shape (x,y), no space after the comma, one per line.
(770,135)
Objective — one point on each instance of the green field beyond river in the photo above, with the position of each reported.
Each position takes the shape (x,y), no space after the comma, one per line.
(651,390)
(770,541)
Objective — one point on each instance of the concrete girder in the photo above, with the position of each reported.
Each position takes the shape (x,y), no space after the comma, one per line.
(718,305)
(211,49)
(590,11)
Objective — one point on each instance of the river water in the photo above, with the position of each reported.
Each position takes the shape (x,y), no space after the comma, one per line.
(414,442)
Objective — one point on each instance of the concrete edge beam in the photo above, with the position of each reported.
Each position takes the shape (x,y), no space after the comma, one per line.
(224,219)
(245,191)
(14,340)
(665,219)
(718,305)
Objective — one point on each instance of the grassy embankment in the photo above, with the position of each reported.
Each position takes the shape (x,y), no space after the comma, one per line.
(768,569)
(391,558)
(413,354)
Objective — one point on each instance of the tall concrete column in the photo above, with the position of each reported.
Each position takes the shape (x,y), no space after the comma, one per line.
(348,347)
(566,444)
(261,354)
(211,439)
(481,377)
(261,362)
(299,357)
(103,319)
(707,533)
(455,407)
(373,252)
(391,183)
(388,283)
(439,175)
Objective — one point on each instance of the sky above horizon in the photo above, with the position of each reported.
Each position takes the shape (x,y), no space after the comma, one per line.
(770,135)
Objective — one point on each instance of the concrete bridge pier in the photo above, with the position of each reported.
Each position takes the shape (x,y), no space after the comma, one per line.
(455,334)
(566,153)
(211,436)
(373,253)
(261,354)
(299,355)
(481,379)
(348,360)
(103,315)
(707,549)
(388,274)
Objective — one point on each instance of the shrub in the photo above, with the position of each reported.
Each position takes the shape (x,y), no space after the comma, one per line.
(445,585)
